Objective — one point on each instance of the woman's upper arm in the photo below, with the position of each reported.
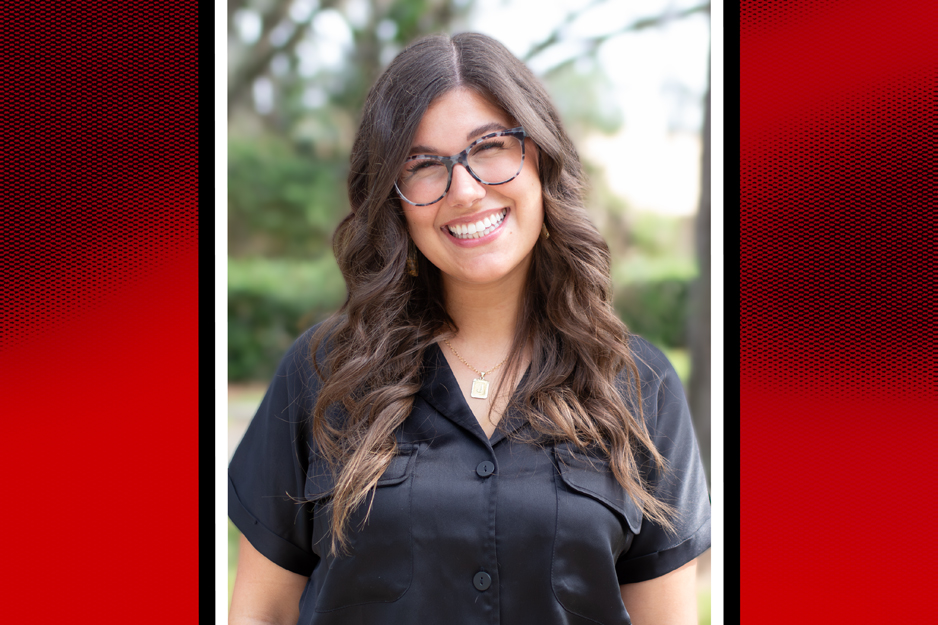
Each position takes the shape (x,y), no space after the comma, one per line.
(264,592)
(667,600)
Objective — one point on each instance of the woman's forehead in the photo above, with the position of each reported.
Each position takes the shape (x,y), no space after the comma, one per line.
(459,117)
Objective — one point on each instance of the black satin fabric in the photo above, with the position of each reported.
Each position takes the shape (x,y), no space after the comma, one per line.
(464,529)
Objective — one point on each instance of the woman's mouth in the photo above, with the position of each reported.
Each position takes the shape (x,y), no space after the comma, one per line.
(478,229)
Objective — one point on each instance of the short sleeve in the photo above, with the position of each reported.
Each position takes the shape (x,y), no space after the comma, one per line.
(655,551)
(267,474)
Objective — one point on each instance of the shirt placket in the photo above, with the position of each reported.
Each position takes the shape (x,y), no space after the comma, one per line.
(486,580)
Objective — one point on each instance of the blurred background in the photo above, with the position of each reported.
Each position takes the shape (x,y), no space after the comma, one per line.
(630,80)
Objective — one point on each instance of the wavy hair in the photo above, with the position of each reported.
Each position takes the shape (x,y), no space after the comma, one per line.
(574,391)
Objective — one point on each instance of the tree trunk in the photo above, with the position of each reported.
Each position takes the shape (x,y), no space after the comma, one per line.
(698,391)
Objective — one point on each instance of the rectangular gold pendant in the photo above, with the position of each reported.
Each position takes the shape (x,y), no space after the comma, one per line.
(480,389)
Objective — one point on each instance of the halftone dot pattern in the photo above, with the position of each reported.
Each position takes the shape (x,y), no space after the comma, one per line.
(838,341)
(839,269)
(757,16)
(838,207)
(98,182)
(99,311)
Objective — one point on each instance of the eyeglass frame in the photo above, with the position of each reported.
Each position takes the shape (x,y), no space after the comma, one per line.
(463,159)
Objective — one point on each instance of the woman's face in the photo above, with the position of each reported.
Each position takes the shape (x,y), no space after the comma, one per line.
(452,122)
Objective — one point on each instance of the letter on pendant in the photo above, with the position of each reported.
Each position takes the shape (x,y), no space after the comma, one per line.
(480,389)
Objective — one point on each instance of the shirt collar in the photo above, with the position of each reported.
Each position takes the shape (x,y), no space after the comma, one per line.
(440,389)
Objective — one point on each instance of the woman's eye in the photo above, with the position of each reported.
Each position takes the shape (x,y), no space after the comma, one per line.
(423,166)
(489,145)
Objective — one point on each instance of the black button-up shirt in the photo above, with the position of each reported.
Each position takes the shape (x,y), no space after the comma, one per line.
(463,528)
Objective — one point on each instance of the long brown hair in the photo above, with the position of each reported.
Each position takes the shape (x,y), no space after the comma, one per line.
(580,347)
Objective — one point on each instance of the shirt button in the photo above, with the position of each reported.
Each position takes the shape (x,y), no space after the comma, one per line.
(485,469)
(482,580)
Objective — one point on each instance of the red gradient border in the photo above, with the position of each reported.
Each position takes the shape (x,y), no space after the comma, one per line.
(99,312)
(839,387)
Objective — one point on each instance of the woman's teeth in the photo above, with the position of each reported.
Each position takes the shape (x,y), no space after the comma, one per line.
(479,228)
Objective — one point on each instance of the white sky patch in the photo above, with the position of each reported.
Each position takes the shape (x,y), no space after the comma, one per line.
(386,30)
(609,17)
(306,53)
(263,93)
(653,172)
(300,10)
(248,25)
(357,13)
(332,37)
(538,20)
(658,78)
(686,62)
(558,53)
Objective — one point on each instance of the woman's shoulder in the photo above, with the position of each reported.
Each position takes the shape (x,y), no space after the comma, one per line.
(659,388)
(298,369)
(318,337)
(652,364)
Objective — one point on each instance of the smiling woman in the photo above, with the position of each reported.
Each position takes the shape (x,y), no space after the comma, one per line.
(446,229)
(475,437)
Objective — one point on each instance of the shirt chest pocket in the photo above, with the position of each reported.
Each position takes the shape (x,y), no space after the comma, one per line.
(596,521)
(378,566)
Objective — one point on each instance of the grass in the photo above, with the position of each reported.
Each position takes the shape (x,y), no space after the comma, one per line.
(233,536)
(247,393)
(703,606)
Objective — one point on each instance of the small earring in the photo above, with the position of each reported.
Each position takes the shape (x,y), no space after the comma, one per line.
(412,260)
(544,233)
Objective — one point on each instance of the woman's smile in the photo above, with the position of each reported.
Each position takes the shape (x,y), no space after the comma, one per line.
(477,229)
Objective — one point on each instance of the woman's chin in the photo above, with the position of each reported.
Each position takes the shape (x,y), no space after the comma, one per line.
(487,273)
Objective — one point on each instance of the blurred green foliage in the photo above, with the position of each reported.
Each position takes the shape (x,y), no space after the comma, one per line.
(655,310)
(270,303)
(281,202)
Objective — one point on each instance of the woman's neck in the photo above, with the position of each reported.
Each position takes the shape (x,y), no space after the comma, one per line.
(486,315)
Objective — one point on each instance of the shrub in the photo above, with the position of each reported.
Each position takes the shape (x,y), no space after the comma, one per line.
(270,303)
(656,310)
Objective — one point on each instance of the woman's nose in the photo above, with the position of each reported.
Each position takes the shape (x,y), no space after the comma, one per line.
(464,189)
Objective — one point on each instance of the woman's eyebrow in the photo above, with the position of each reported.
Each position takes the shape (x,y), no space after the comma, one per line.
(484,129)
(421,149)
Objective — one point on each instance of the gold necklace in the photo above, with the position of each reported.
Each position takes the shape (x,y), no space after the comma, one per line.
(480,386)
